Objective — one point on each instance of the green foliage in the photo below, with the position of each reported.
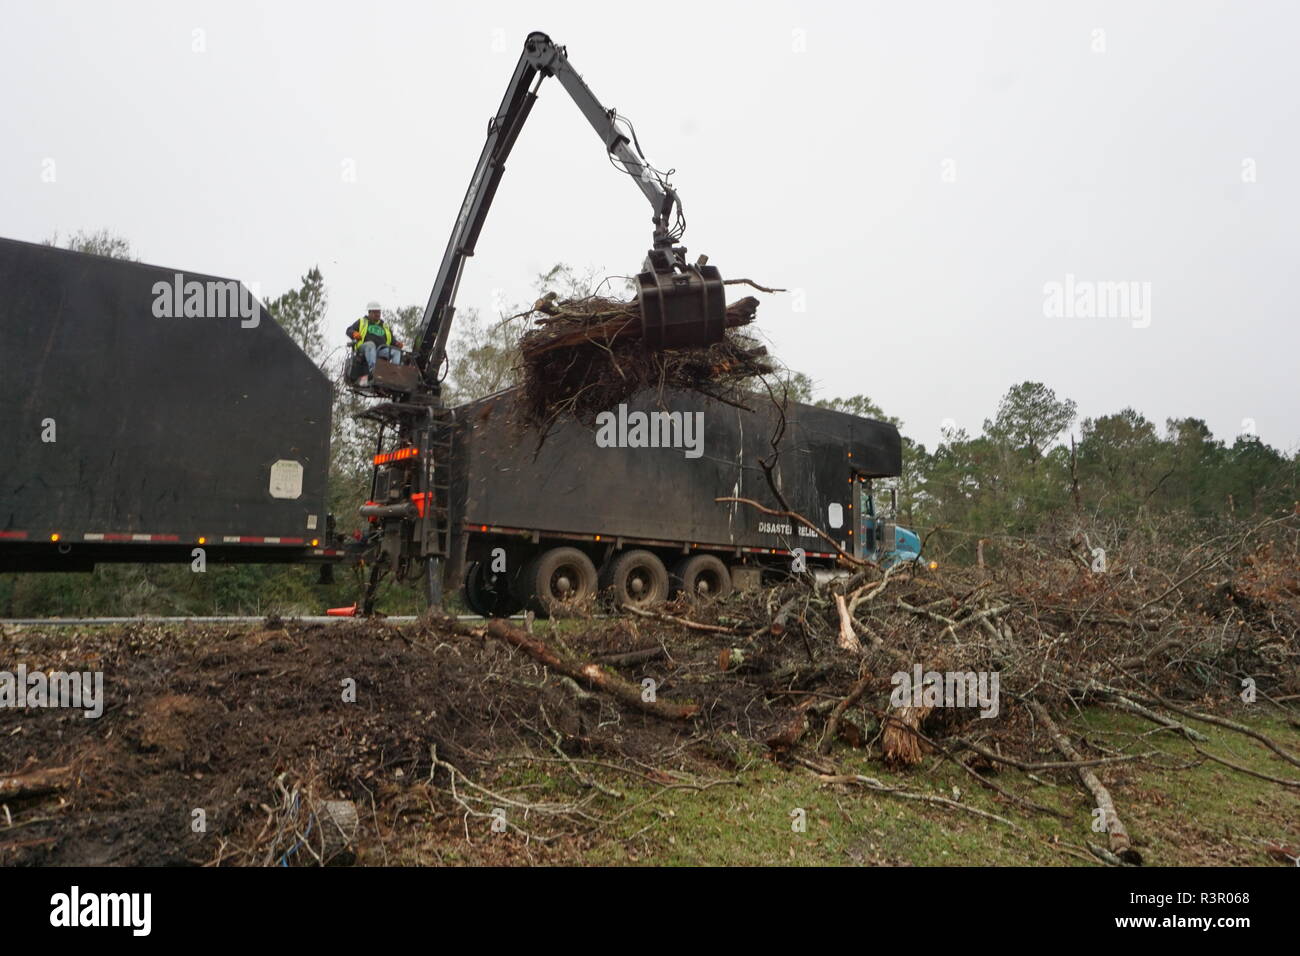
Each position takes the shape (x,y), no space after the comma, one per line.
(101,242)
(482,356)
(1019,478)
(483,353)
(121,590)
(404,322)
(792,386)
(301,313)
(1024,475)
(1029,417)
(858,405)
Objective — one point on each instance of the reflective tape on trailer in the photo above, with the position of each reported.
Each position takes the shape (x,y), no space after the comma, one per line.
(124,537)
(252,539)
(130,537)
(738,549)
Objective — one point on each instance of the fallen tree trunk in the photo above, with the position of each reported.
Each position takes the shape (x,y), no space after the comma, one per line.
(628,658)
(900,746)
(847,641)
(35,783)
(680,621)
(1119,841)
(591,675)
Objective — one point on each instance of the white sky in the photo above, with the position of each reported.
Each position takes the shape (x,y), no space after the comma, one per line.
(811,142)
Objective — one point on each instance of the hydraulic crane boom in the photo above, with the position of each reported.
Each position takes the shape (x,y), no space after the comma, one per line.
(685,304)
(681,304)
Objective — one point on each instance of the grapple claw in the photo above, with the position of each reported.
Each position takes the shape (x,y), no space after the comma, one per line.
(682,307)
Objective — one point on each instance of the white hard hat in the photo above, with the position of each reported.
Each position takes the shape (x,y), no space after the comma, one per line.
(372,306)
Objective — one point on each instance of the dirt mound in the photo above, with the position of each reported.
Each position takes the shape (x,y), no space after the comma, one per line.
(172,726)
(241,723)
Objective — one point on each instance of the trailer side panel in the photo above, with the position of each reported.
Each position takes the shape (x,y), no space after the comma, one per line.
(570,484)
(161,428)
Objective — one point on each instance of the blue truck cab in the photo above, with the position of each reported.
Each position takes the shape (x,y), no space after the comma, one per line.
(880,538)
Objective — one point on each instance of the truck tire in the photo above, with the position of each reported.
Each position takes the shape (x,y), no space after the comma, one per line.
(701,577)
(558,580)
(488,594)
(637,578)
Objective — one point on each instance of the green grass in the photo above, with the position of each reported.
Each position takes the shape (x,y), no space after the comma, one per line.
(1203,815)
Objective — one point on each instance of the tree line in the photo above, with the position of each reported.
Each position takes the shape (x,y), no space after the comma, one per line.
(1036,468)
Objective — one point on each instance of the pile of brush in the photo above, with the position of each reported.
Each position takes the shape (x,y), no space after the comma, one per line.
(585,356)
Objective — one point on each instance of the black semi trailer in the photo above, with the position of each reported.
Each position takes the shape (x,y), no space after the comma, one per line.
(628,507)
(150,412)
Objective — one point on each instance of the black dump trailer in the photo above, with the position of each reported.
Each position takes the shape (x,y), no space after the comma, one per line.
(151,411)
(627,506)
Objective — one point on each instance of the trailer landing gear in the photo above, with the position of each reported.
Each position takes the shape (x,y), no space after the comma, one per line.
(433,582)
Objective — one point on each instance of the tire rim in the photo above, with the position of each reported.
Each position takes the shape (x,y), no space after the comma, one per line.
(640,587)
(562,583)
(707,584)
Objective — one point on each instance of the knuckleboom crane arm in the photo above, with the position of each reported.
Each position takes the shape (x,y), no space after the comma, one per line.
(681,305)
(541,58)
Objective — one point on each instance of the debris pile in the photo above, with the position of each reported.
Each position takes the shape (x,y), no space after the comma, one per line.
(982,666)
(585,356)
(374,743)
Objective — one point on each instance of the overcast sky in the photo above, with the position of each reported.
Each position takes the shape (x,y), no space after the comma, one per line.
(919,173)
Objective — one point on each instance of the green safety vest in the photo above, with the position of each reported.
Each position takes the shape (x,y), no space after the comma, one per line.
(364,329)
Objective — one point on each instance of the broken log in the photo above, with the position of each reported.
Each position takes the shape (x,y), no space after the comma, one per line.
(1119,841)
(34,783)
(628,658)
(847,641)
(567,329)
(591,675)
(339,825)
(679,621)
(899,745)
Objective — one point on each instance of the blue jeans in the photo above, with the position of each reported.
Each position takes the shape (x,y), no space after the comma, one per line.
(389,353)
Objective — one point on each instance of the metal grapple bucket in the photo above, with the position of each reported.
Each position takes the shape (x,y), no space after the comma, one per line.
(682,308)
